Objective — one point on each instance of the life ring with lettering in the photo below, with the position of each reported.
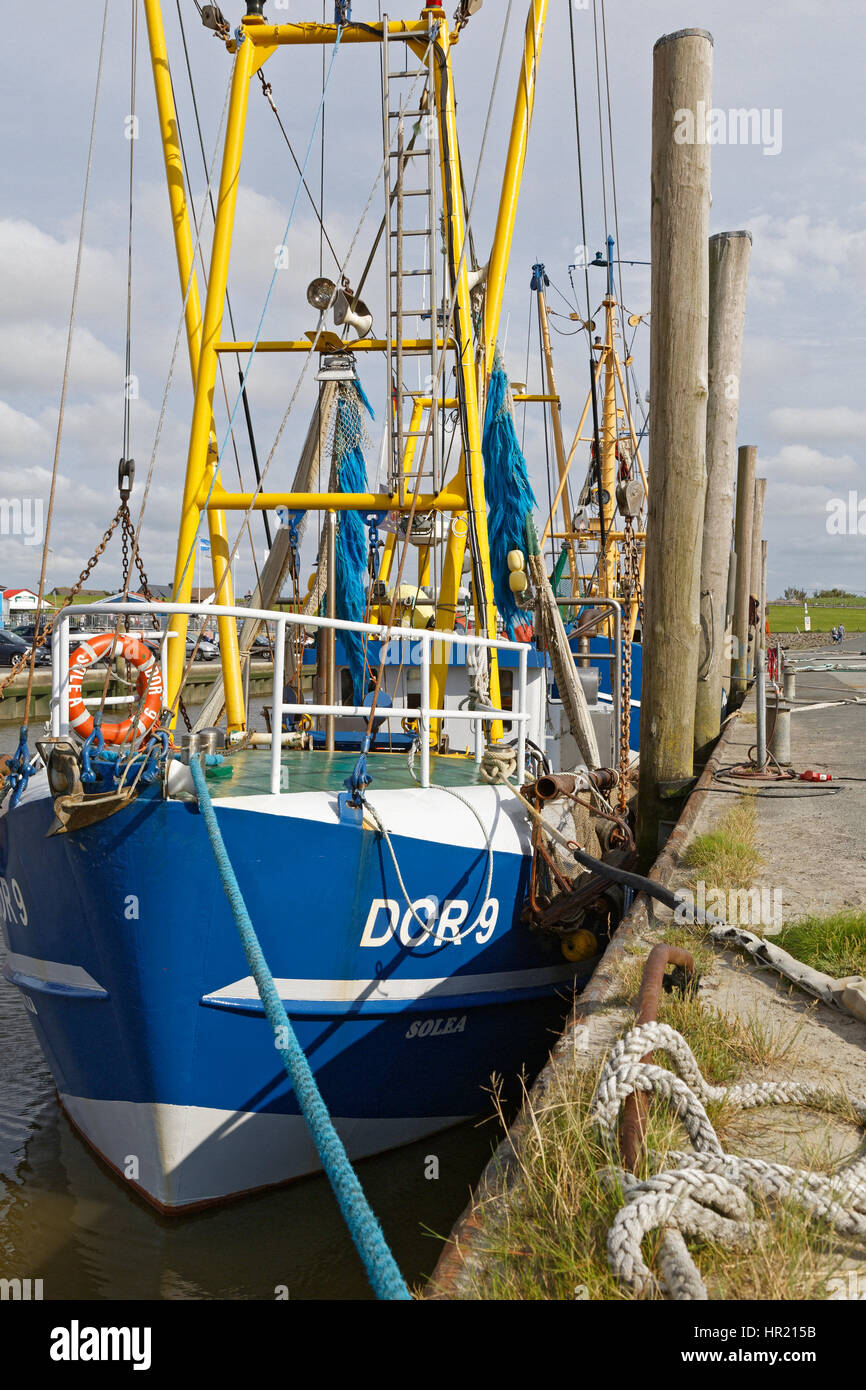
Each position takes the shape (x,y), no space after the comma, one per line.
(148,684)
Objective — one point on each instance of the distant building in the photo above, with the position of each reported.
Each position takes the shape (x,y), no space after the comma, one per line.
(19,606)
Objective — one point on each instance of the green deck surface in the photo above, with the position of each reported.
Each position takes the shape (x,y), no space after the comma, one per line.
(316,771)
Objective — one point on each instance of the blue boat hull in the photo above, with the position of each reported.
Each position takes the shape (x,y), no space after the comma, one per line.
(122,943)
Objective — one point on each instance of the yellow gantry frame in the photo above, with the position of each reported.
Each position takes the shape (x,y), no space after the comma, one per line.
(452,568)
(191,515)
(202,487)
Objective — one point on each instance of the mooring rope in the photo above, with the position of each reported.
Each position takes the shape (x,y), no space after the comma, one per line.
(708,1193)
(381,1267)
(488,844)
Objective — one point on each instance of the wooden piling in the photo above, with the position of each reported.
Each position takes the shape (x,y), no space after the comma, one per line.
(680,206)
(729,269)
(746,460)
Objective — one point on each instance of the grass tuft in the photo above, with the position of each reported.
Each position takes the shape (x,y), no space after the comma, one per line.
(726,857)
(835,944)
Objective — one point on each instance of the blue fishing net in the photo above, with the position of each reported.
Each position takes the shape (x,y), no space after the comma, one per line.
(508,493)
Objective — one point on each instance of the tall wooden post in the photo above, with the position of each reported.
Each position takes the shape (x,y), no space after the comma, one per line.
(746,459)
(682,88)
(756,569)
(729,269)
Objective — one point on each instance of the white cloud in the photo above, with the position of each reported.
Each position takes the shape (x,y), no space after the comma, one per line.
(37,271)
(820,423)
(802,256)
(802,466)
(32,354)
(20,436)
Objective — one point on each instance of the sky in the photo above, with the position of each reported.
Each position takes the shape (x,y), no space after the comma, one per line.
(800,188)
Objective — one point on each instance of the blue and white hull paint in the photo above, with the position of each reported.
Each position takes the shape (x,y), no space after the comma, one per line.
(122,943)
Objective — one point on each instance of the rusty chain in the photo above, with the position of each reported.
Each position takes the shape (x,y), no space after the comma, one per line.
(129,535)
(631,592)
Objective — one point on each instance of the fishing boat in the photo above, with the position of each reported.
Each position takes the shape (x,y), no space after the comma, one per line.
(374,833)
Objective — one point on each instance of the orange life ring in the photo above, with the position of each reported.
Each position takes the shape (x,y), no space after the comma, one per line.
(149,682)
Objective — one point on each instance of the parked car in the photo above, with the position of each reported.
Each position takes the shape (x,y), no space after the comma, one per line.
(12,647)
(28,632)
(205,651)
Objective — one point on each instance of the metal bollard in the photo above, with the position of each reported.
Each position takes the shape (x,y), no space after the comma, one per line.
(780,743)
(212,740)
(789,685)
(761,708)
(190,747)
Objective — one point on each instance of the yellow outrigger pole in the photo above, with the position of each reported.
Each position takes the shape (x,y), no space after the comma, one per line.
(180,220)
(461,495)
(452,568)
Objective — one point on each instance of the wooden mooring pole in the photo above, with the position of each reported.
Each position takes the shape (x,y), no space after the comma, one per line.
(746,459)
(729,270)
(680,207)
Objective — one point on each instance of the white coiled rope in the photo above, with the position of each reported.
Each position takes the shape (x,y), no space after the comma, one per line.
(708,1194)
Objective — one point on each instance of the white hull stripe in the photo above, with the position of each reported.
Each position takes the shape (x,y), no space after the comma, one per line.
(51,972)
(356,991)
(194,1153)
(412,813)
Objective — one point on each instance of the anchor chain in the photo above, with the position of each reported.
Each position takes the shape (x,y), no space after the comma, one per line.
(128,534)
(631,593)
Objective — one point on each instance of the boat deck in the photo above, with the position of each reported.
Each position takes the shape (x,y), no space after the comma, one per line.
(317,770)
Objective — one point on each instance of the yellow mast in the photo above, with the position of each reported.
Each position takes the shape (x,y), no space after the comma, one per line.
(184,248)
(485,606)
(463,493)
(452,568)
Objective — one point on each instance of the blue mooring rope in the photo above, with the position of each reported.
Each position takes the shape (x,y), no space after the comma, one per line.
(381,1267)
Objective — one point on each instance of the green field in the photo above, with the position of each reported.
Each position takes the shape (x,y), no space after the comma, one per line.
(789,618)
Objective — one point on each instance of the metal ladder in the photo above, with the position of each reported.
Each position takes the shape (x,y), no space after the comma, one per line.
(411,254)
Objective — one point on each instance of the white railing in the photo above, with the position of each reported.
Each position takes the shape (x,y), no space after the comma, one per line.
(423,713)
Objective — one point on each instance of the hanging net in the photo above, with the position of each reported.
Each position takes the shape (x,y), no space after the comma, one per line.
(507,490)
(348,442)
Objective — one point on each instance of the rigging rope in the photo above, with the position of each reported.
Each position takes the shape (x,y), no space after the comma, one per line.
(63,390)
(132,136)
(584,256)
(277,258)
(170,376)
(613,187)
